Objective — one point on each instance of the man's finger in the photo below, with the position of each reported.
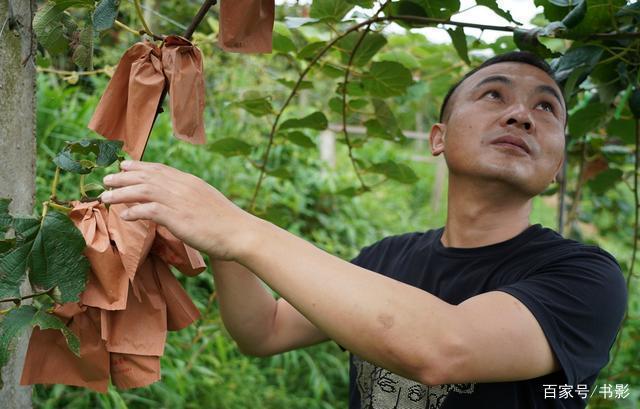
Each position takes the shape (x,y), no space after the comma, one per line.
(130,194)
(146,211)
(125,179)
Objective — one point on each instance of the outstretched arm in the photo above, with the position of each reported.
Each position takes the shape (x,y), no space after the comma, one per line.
(396,326)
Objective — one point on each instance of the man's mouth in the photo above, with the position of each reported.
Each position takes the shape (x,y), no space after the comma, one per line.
(512,142)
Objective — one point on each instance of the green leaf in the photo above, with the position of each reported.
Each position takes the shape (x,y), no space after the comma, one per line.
(83,52)
(459,40)
(6,220)
(231,147)
(49,28)
(105,14)
(335,104)
(104,151)
(576,15)
(493,5)
(299,139)
(581,56)
(311,50)
(6,245)
(329,10)
(369,46)
(527,39)
(65,161)
(56,257)
(384,125)
(605,181)
(387,79)
(256,104)
(316,120)
(396,171)
(45,320)
(14,263)
(282,43)
(332,71)
(14,323)
(587,119)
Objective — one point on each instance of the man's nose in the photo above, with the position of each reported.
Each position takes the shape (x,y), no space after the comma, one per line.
(519,116)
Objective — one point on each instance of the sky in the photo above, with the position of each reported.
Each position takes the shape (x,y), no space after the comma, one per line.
(521,10)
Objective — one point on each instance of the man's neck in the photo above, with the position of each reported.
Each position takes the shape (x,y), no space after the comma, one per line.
(480,213)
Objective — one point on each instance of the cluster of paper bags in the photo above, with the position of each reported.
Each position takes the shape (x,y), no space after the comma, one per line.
(130,302)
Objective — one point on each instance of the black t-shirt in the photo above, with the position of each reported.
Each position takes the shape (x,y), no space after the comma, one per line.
(576,292)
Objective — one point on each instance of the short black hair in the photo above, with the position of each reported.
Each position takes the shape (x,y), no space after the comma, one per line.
(524,57)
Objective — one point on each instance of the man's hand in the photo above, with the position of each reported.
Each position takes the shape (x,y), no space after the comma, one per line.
(191,209)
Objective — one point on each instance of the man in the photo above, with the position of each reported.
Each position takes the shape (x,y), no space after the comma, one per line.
(487,312)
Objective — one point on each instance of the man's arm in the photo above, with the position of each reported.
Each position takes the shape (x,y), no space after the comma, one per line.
(260,325)
(400,327)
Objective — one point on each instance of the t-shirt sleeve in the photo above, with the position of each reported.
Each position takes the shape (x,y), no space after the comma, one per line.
(579,301)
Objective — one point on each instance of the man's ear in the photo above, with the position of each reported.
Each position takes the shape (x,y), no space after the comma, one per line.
(436,138)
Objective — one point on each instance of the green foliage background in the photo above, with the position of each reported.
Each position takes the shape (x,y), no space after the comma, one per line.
(369,194)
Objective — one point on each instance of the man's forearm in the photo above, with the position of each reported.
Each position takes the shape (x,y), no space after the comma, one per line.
(246,306)
(389,323)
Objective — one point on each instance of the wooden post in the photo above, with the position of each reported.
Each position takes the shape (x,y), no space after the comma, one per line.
(17,150)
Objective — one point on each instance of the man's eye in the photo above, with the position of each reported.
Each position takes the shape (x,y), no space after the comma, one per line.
(546,106)
(493,94)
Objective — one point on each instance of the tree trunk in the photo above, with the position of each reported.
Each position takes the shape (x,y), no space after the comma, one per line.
(17,150)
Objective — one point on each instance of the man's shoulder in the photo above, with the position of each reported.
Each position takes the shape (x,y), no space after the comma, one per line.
(398,244)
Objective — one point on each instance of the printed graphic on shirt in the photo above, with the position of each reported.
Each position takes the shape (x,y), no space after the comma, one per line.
(381,389)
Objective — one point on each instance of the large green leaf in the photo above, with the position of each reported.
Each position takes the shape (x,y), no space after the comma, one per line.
(459,40)
(316,120)
(605,181)
(48,25)
(330,10)
(282,39)
(384,125)
(397,171)
(105,14)
(12,325)
(52,252)
(75,157)
(587,119)
(231,147)
(586,56)
(23,317)
(369,46)
(387,79)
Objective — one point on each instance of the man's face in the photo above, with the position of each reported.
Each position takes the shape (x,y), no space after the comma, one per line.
(506,124)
